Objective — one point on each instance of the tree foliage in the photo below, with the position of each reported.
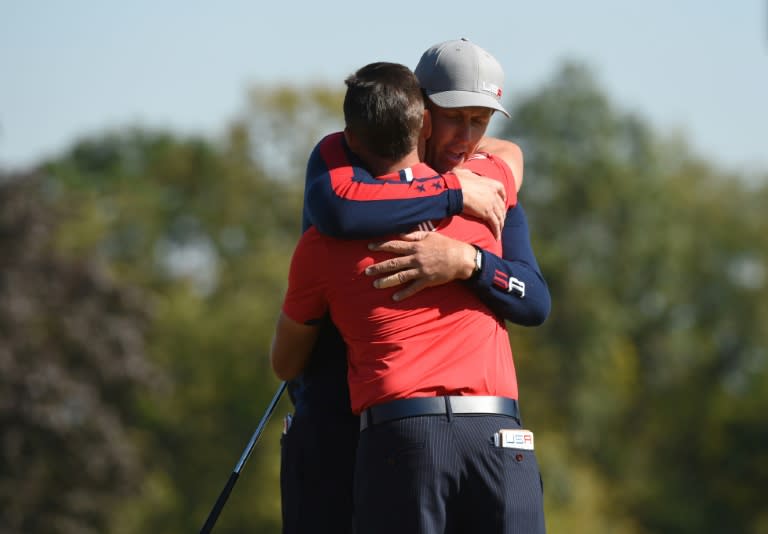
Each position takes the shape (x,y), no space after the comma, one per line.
(646,388)
(653,362)
(72,361)
(207,229)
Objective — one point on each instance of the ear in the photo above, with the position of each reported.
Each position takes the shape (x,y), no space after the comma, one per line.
(352,142)
(426,133)
(426,127)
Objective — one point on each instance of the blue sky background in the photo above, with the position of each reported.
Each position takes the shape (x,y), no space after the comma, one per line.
(77,67)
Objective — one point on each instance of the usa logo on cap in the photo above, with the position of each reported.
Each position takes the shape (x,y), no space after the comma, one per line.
(491,88)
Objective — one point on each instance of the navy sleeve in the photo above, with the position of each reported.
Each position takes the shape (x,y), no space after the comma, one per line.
(513,286)
(343,200)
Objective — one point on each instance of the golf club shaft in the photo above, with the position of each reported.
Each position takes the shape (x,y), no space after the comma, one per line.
(224,495)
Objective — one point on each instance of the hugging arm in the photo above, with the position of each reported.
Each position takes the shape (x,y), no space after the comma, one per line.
(511,285)
(342,199)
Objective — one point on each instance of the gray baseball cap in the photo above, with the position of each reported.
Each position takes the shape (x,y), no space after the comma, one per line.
(455,74)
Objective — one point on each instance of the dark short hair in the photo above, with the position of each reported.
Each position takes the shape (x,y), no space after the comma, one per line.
(384,108)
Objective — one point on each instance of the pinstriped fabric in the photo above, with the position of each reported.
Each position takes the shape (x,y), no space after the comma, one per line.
(309,461)
(443,475)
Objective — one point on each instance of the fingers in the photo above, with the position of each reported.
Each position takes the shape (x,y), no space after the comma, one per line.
(495,223)
(402,277)
(496,217)
(394,246)
(402,246)
(502,192)
(424,259)
(501,216)
(416,235)
(410,290)
(485,199)
(389,266)
(395,279)
(406,259)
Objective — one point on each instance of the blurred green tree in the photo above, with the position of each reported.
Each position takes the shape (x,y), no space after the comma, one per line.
(646,387)
(653,368)
(207,228)
(72,363)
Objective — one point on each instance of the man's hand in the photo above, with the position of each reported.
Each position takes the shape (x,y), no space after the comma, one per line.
(484,198)
(426,259)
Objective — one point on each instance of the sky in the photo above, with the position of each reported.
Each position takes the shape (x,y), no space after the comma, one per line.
(76,68)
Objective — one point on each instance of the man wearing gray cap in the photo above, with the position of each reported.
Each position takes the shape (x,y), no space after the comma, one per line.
(463,84)
(457,76)
(454,73)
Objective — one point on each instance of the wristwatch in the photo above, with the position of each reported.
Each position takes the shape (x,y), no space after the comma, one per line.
(478,263)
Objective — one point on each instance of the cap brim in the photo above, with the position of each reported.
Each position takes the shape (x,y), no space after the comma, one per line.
(461,99)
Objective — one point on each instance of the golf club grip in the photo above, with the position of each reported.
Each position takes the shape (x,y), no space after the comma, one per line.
(216,510)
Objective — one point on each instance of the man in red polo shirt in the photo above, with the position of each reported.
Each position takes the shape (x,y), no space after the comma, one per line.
(432,376)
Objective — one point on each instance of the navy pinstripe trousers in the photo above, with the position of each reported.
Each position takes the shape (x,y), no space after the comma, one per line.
(442,474)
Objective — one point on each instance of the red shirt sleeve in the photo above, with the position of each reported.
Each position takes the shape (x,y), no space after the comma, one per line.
(494,167)
(306,299)
(351,182)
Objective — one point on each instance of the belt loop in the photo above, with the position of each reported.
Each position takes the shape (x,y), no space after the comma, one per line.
(448,410)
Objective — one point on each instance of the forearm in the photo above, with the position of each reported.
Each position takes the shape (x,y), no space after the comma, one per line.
(342,217)
(512,285)
(342,199)
(291,347)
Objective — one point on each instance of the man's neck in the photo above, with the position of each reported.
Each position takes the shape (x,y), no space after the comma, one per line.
(380,166)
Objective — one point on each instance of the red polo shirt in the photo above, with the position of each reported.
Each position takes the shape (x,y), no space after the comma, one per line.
(441,341)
